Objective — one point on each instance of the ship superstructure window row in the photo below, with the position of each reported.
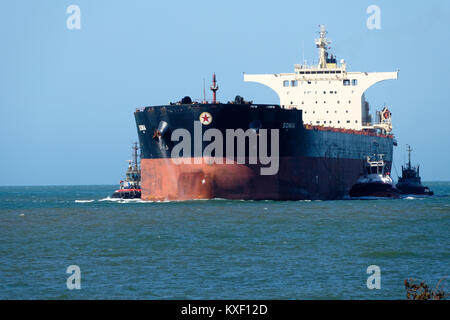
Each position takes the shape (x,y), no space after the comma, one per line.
(319,72)
(294,83)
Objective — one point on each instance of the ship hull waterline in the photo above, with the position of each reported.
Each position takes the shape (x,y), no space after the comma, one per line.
(164,180)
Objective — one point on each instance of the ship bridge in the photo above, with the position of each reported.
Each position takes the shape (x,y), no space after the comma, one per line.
(327,93)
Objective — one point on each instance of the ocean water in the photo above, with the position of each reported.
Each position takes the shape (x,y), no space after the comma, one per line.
(217,249)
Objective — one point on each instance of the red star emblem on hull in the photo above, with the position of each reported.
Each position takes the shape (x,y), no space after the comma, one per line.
(206,118)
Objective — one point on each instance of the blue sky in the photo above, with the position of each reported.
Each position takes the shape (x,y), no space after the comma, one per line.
(67,96)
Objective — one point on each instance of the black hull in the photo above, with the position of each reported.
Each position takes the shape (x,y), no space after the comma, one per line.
(314,163)
(415,190)
(379,190)
(132,194)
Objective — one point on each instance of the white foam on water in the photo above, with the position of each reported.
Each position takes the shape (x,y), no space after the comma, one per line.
(109,199)
(132,201)
(119,200)
(84,201)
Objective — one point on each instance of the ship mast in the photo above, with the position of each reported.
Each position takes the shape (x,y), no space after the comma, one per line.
(409,156)
(214,88)
(135,155)
(322,43)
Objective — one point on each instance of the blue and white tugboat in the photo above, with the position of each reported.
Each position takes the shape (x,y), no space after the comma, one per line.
(130,188)
(375,182)
(410,183)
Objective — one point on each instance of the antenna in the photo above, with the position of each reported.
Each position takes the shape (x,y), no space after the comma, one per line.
(409,156)
(135,155)
(204,92)
(303,52)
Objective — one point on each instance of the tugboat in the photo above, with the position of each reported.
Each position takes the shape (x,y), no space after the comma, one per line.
(409,182)
(375,182)
(131,187)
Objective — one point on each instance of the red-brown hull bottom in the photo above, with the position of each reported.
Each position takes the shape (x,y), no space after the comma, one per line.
(298,178)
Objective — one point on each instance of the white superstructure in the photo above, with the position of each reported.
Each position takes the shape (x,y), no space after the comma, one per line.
(375,171)
(328,95)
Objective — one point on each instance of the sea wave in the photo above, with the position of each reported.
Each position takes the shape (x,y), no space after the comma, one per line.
(119,200)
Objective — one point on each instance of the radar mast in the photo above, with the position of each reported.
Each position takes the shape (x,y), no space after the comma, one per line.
(409,156)
(322,43)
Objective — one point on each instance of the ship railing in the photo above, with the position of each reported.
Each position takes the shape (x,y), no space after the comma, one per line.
(345,130)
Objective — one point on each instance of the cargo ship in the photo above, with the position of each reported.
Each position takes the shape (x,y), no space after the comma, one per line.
(320,135)
(410,182)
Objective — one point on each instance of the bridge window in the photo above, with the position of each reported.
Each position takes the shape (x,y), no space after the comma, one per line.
(354,82)
(286,83)
(346,82)
(294,83)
